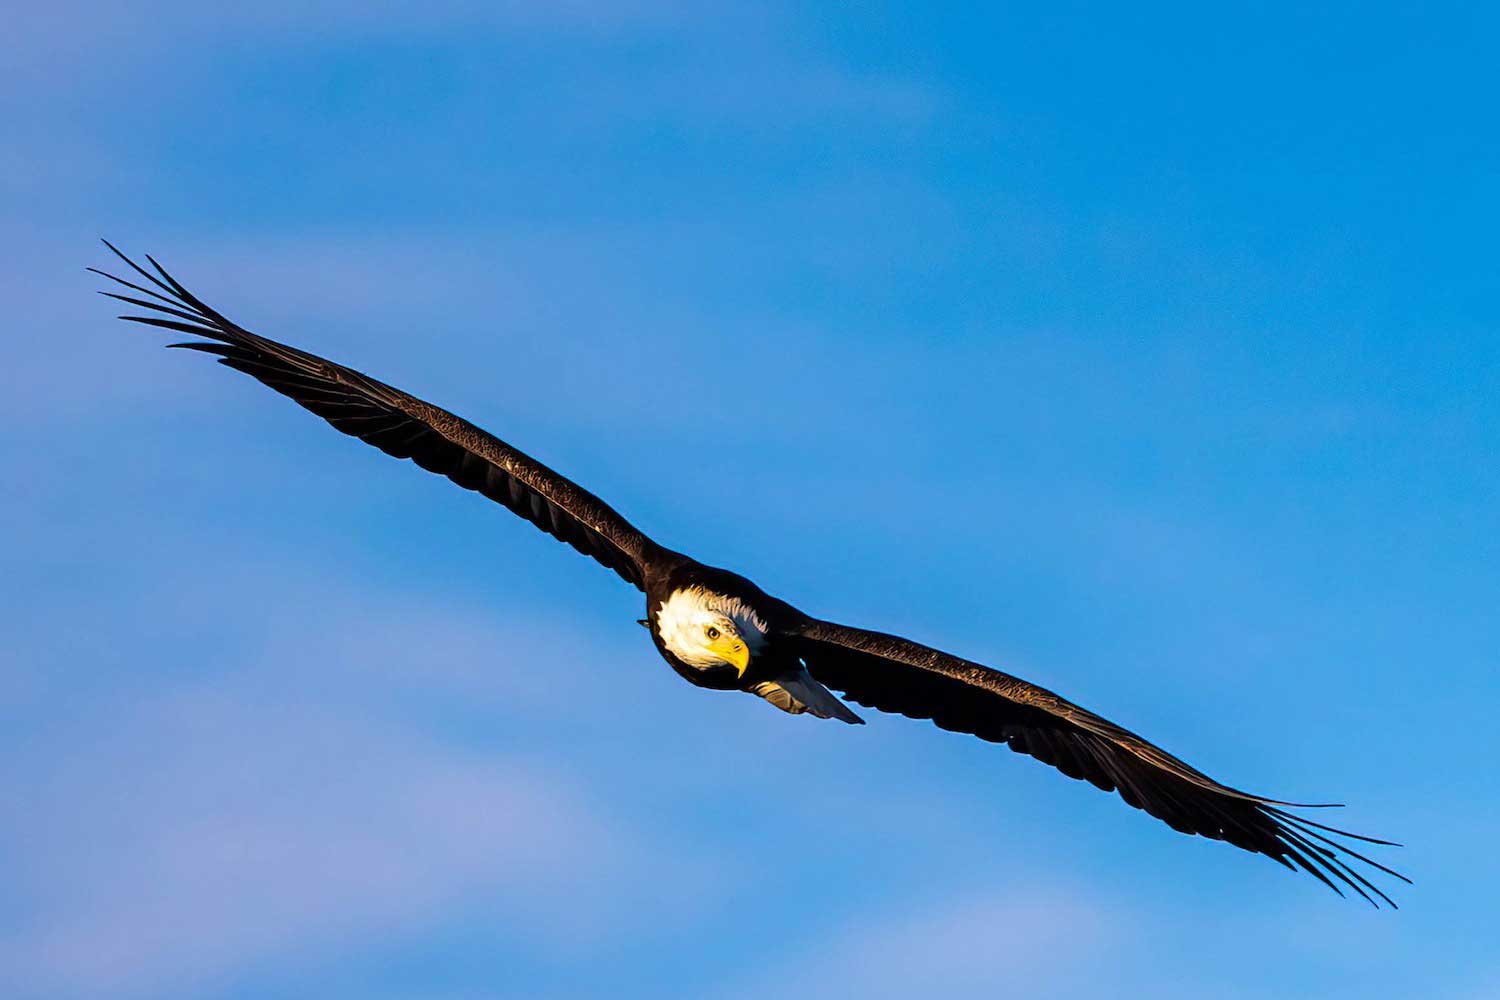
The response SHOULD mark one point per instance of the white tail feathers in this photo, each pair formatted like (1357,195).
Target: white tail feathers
(796,692)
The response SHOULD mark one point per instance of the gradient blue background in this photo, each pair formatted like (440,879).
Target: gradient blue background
(1149,354)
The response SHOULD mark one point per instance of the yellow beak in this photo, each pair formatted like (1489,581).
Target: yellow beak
(732,651)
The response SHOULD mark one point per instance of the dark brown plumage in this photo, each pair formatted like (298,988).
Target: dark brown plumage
(897,675)
(401,425)
(769,648)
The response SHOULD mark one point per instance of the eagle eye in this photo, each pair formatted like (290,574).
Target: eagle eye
(711,632)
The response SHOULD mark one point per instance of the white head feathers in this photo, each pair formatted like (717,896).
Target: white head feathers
(684,615)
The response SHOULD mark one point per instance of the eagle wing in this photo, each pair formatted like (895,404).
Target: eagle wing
(398,424)
(896,675)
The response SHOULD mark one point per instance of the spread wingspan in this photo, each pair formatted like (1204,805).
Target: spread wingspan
(398,424)
(896,675)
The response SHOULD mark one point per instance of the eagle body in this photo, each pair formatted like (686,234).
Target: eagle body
(686,587)
(688,597)
(720,631)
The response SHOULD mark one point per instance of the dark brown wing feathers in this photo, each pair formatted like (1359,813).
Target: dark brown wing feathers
(882,671)
(399,424)
(896,675)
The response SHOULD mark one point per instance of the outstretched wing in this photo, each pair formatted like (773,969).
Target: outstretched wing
(398,424)
(895,675)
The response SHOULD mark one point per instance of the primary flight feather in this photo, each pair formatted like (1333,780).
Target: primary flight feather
(718,630)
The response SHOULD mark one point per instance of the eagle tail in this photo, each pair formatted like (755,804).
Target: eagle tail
(796,692)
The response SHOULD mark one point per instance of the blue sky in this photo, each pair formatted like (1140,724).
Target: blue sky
(1148,354)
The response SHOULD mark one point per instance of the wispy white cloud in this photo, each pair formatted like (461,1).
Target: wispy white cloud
(208,833)
(1028,940)
(298,793)
(73,29)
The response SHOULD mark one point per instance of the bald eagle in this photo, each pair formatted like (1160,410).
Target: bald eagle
(718,630)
